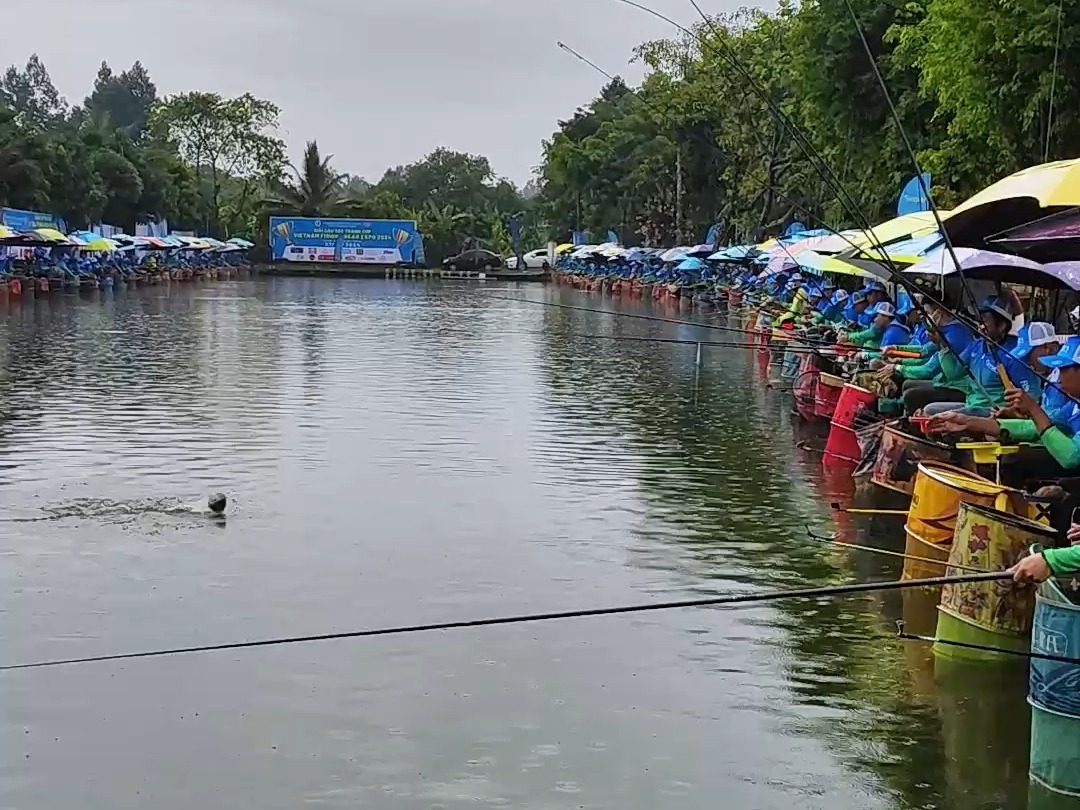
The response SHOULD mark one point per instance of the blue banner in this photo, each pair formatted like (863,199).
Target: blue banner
(347,241)
(710,237)
(912,197)
(613,237)
(19,220)
(580,237)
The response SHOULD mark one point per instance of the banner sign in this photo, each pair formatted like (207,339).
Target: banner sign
(19,220)
(346,241)
(912,198)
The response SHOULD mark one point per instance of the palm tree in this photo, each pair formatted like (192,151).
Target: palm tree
(313,190)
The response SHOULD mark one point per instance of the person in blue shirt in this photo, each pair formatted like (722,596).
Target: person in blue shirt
(977,366)
(874,291)
(896,332)
(856,307)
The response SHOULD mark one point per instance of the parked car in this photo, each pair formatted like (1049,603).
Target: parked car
(534,260)
(474,260)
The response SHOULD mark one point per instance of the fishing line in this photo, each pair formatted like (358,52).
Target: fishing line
(1053,82)
(728,599)
(640,316)
(1061,659)
(832,541)
(807,148)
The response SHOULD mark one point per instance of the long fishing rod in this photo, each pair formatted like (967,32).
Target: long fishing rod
(1061,659)
(717,343)
(712,601)
(639,316)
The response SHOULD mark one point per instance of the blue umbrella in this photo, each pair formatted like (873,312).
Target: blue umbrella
(691,264)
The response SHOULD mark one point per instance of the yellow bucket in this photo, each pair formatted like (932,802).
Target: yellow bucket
(993,614)
(936,496)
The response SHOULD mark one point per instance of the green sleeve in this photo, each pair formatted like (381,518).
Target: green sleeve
(1063,560)
(951,367)
(1065,449)
(921,371)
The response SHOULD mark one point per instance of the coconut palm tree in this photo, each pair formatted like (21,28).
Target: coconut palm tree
(313,191)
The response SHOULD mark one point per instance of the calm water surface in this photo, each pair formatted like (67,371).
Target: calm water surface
(401,453)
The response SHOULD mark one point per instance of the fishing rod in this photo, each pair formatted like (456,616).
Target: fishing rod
(711,601)
(832,541)
(1061,659)
(640,316)
(836,507)
(719,343)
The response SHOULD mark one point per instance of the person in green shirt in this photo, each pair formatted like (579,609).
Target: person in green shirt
(1050,562)
(1053,422)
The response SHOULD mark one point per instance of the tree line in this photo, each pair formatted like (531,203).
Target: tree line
(216,165)
(981,89)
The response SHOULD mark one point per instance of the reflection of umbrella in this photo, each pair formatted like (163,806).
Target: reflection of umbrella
(1015,200)
(691,264)
(1002,267)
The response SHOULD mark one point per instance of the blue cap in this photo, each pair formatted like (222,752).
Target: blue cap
(874,286)
(828,284)
(858,297)
(839,296)
(1031,336)
(1068,356)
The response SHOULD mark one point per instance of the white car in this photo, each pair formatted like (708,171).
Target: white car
(534,260)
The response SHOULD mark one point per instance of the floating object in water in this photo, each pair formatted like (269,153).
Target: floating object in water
(217,503)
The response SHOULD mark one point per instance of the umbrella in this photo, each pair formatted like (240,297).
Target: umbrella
(691,264)
(908,251)
(702,251)
(51,235)
(100,245)
(837,242)
(674,254)
(561,249)
(1002,267)
(734,253)
(1015,200)
(27,239)
(921,223)
(244,244)
(818,263)
(1046,239)
(83,238)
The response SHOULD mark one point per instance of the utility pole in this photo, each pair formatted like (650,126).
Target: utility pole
(678,195)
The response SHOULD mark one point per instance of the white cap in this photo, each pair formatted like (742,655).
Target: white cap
(885,308)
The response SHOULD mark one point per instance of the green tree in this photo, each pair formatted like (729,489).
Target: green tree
(231,143)
(31,95)
(314,190)
(125,100)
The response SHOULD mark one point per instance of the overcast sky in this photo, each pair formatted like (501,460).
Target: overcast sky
(376,82)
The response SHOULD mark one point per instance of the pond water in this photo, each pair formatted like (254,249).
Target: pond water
(398,452)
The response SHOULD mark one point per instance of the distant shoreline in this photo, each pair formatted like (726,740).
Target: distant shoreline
(343,270)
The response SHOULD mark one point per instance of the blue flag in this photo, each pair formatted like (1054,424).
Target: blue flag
(912,197)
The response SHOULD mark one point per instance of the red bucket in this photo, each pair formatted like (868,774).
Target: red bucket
(805,386)
(842,441)
(827,390)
